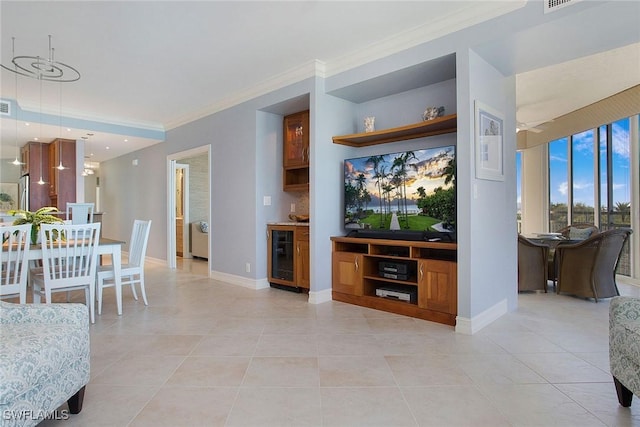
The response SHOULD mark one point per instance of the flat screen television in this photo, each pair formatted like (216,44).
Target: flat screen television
(408,195)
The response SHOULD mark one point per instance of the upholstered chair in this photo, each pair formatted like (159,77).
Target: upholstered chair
(624,347)
(45,360)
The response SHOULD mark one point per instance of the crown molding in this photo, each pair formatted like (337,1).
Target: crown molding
(475,13)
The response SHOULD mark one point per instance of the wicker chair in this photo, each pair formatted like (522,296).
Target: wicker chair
(588,268)
(532,265)
(575,231)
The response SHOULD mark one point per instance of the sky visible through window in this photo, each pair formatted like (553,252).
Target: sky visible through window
(583,167)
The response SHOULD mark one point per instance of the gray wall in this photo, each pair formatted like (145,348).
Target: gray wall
(246,145)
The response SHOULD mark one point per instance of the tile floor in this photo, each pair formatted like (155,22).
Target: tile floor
(205,353)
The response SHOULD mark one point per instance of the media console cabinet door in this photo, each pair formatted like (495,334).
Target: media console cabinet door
(437,285)
(347,273)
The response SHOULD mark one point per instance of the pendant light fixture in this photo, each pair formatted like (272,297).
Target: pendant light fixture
(60,166)
(16,162)
(42,69)
(41,181)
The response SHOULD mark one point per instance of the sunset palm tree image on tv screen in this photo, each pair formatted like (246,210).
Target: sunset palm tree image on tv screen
(410,190)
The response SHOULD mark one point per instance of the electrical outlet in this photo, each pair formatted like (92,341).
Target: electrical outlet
(266,200)
(247,267)
(293,207)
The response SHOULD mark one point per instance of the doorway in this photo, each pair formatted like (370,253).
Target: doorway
(188,206)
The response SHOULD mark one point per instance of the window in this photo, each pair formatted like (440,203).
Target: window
(583,178)
(589,169)
(558,183)
(619,186)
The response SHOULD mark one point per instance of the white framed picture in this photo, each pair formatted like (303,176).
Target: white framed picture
(489,134)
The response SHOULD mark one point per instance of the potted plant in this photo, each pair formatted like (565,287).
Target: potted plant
(41,216)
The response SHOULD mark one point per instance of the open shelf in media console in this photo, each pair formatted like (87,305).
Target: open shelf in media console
(437,126)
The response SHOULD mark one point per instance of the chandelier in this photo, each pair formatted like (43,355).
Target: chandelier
(40,68)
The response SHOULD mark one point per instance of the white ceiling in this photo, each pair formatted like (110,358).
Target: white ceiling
(149,66)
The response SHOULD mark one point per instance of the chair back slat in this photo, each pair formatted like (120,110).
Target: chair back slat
(69,253)
(80,213)
(14,261)
(139,240)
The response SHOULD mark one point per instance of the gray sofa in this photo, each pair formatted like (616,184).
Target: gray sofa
(624,347)
(44,361)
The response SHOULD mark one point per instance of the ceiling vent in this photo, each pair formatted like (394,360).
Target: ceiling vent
(553,5)
(5,108)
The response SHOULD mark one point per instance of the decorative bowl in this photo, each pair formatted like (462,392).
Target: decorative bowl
(432,112)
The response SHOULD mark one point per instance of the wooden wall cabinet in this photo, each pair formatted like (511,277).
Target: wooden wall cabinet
(431,275)
(288,256)
(295,160)
(62,183)
(35,159)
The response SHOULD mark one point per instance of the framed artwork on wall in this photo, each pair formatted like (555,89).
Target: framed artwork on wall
(489,135)
(8,196)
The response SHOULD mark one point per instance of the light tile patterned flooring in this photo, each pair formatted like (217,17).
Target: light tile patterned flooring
(205,353)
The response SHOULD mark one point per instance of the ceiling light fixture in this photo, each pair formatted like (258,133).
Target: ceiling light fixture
(39,68)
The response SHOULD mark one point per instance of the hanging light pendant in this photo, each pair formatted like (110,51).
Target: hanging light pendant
(41,69)
(60,165)
(16,162)
(41,181)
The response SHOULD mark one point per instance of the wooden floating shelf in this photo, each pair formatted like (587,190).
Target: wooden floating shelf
(439,126)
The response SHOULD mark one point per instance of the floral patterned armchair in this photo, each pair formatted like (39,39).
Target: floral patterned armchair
(44,361)
(624,347)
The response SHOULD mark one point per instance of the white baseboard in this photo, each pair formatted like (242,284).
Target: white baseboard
(318,297)
(468,326)
(157,261)
(626,280)
(232,279)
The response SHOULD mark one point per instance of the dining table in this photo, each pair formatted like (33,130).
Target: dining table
(105,247)
(552,241)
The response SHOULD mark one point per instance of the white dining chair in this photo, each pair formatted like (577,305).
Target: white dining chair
(14,263)
(69,262)
(80,213)
(132,271)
